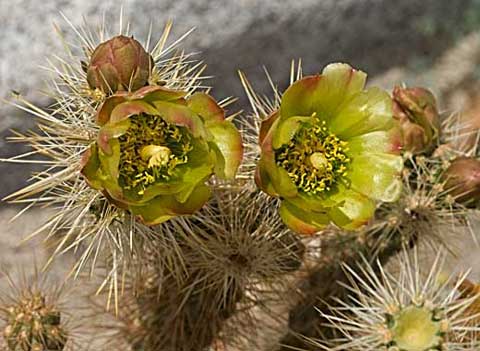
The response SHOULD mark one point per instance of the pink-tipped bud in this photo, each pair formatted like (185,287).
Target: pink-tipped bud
(120,63)
(462,180)
(416,110)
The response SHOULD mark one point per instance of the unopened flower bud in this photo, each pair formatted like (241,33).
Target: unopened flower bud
(462,180)
(416,110)
(120,63)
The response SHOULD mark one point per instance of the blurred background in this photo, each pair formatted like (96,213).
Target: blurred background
(435,43)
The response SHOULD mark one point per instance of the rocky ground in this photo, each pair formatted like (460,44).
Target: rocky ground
(428,42)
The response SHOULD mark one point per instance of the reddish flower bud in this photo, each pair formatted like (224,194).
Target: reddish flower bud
(416,110)
(120,63)
(463,180)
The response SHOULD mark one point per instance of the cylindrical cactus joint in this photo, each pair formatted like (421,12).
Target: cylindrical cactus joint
(415,329)
(120,63)
(33,325)
(416,110)
(462,180)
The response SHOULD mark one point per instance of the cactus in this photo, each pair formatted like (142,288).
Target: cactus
(34,315)
(414,310)
(276,230)
(32,325)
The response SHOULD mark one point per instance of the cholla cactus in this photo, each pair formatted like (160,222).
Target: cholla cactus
(34,315)
(414,310)
(424,212)
(32,325)
(178,317)
(204,246)
(236,256)
(114,158)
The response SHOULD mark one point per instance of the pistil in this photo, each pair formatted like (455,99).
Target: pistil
(156,155)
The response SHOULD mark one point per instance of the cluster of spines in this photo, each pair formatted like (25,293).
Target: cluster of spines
(232,265)
(36,313)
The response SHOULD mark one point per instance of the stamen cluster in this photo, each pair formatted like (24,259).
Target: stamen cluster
(173,142)
(315,158)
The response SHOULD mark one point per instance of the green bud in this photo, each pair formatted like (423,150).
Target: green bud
(462,180)
(416,110)
(120,63)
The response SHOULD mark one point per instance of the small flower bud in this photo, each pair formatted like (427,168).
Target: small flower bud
(416,110)
(463,180)
(120,63)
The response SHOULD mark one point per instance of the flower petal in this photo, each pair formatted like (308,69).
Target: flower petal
(353,211)
(206,106)
(286,129)
(154,190)
(163,208)
(109,162)
(313,203)
(182,116)
(376,142)
(104,112)
(263,181)
(302,222)
(279,177)
(377,176)
(344,82)
(108,172)
(280,180)
(111,131)
(322,94)
(191,179)
(266,125)
(130,108)
(155,92)
(200,155)
(91,167)
(229,148)
(368,111)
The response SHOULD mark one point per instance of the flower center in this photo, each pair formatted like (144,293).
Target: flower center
(416,329)
(150,151)
(315,159)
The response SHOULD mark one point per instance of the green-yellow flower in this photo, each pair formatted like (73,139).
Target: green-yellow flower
(330,151)
(156,149)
